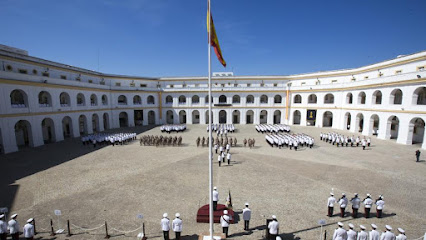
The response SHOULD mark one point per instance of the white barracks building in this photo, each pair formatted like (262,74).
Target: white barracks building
(43,101)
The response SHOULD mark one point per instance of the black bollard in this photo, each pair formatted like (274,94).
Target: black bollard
(106,231)
(35,230)
(52,232)
(68,229)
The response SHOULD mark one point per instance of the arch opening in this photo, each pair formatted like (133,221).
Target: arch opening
(327,120)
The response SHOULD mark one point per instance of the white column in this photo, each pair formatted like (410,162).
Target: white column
(8,136)
(243,116)
(405,131)
(59,132)
(37,133)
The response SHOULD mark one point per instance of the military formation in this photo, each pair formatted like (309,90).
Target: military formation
(356,202)
(345,141)
(342,234)
(289,140)
(151,140)
(108,138)
(173,128)
(272,128)
(222,129)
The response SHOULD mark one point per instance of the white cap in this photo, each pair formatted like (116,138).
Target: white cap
(274,217)
(332,194)
(177,215)
(30,220)
(351,225)
(14,215)
(215,188)
(225,211)
(278,238)
(2,216)
(247,204)
(356,194)
(368,195)
(340,224)
(388,227)
(401,230)
(362,227)
(373,225)
(343,194)
(165,215)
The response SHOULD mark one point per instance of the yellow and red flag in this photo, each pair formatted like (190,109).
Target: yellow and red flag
(214,40)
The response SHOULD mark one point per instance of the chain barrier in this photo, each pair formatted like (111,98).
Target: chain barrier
(126,232)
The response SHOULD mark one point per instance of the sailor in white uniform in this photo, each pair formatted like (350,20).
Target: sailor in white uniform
(401,235)
(165,226)
(177,226)
(362,235)
(246,217)
(374,234)
(340,232)
(224,222)
(351,233)
(29,229)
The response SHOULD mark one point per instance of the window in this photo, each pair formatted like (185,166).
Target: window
(144,85)
(366,77)
(398,72)
(223,85)
(248,85)
(333,81)
(34,71)
(117,84)
(90,81)
(262,84)
(9,68)
(102,83)
(63,77)
(303,83)
(132,84)
(183,85)
(235,84)
(197,85)
(421,68)
(45,74)
(171,86)
(23,71)
(275,84)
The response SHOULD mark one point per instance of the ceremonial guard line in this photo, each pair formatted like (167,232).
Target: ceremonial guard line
(272,128)
(342,140)
(108,138)
(173,128)
(151,140)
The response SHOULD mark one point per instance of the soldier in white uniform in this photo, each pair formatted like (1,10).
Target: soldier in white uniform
(368,202)
(219,159)
(374,234)
(224,222)
(340,233)
(362,235)
(330,204)
(165,226)
(388,235)
(177,226)
(228,157)
(355,205)
(401,235)
(273,227)
(351,233)
(215,198)
(3,228)
(29,230)
(13,226)
(380,204)
(343,202)
(246,217)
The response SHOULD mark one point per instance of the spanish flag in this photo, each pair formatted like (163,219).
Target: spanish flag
(214,40)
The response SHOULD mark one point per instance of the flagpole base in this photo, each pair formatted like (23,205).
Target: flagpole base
(216,236)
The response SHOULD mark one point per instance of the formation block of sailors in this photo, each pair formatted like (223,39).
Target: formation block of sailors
(173,128)
(290,140)
(342,140)
(272,128)
(108,138)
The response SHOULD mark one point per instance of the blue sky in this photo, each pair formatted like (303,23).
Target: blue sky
(159,38)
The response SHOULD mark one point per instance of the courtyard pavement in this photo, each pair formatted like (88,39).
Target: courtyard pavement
(115,184)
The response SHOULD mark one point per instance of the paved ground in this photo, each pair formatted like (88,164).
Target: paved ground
(118,183)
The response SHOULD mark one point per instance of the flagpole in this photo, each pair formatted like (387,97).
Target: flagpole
(210,129)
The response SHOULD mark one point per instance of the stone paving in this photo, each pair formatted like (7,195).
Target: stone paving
(115,184)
